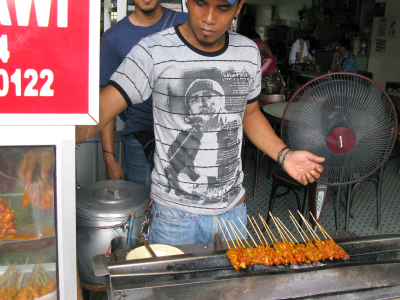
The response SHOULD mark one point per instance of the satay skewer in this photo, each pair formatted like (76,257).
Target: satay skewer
(320,227)
(286,230)
(254,220)
(296,224)
(22,275)
(283,233)
(248,232)
(269,231)
(11,276)
(277,227)
(235,234)
(223,233)
(233,242)
(313,233)
(251,222)
(241,234)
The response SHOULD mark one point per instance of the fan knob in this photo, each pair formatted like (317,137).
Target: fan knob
(341,140)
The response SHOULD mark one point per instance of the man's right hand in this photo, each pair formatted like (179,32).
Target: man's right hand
(42,157)
(336,56)
(114,170)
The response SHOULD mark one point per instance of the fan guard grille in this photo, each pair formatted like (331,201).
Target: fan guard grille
(346,118)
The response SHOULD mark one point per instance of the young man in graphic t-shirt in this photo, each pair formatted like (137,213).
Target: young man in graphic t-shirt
(205,82)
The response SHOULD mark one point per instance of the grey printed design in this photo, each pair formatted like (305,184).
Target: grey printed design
(204,157)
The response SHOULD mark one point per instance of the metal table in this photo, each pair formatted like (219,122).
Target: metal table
(274,112)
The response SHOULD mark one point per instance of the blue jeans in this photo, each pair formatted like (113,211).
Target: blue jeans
(174,227)
(134,163)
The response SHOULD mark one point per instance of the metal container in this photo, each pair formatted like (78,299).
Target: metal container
(119,243)
(102,213)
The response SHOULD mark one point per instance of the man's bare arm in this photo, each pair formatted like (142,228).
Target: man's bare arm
(113,168)
(111,104)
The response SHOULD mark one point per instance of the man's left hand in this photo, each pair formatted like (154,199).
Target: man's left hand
(303,166)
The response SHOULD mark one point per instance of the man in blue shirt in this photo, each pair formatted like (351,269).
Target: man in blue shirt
(149,17)
(343,60)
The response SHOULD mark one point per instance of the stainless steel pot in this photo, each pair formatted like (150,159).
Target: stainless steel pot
(102,212)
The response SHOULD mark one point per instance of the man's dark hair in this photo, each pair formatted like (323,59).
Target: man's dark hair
(313,41)
(273,29)
(345,42)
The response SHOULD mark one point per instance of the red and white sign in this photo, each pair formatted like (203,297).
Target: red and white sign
(49,62)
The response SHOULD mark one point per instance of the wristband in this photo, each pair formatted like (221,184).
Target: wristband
(109,153)
(279,155)
(284,158)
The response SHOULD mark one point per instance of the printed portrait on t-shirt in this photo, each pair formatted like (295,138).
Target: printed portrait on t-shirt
(204,157)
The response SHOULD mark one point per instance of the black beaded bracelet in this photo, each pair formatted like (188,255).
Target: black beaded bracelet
(284,158)
(109,153)
(279,155)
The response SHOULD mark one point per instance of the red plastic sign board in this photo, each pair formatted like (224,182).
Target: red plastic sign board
(49,62)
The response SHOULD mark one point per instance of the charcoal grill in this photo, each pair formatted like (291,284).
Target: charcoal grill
(373,272)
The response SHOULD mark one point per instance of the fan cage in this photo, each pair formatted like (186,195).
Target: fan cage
(342,100)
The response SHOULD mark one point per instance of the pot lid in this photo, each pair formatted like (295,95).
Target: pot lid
(112,199)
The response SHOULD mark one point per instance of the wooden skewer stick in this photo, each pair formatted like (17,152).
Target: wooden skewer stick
(11,276)
(288,233)
(277,227)
(241,234)
(223,233)
(313,233)
(251,222)
(44,275)
(320,227)
(269,231)
(6,274)
(298,226)
(235,234)
(233,242)
(40,278)
(287,237)
(248,232)
(23,273)
(299,231)
(266,229)
(254,220)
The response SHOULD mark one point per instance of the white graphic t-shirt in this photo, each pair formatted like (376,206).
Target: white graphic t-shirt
(198,103)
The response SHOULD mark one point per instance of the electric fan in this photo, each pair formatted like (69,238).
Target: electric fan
(346,118)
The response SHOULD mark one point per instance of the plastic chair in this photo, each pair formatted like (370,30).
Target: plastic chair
(282,179)
(394,86)
(265,99)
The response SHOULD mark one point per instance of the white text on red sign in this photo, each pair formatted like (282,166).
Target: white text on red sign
(42,8)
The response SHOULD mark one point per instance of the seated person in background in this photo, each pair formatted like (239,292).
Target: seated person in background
(302,51)
(247,28)
(327,32)
(343,60)
(277,46)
